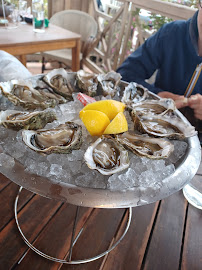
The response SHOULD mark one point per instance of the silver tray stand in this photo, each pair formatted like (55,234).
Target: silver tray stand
(73,239)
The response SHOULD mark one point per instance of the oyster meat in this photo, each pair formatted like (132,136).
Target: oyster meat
(26,120)
(62,139)
(167,126)
(155,107)
(108,83)
(141,145)
(87,82)
(61,82)
(107,156)
(22,93)
(134,93)
(50,94)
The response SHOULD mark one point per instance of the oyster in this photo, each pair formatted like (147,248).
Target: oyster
(27,120)
(41,86)
(62,139)
(87,82)
(108,83)
(171,127)
(155,107)
(61,82)
(154,148)
(134,93)
(22,93)
(107,156)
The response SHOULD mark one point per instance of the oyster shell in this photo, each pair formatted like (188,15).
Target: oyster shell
(153,148)
(22,93)
(107,156)
(61,82)
(41,86)
(155,107)
(171,127)
(51,94)
(27,120)
(134,93)
(62,139)
(108,83)
(87,82)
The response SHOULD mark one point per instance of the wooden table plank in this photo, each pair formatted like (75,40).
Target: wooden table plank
(32,218)
(96,237)
(4,181)
(192,251)
(165,246)
(55,239)
(7,199)
(128,255)
(153,241)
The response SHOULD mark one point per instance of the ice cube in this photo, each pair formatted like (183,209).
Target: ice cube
(6,161)
(91,179)
(55,170)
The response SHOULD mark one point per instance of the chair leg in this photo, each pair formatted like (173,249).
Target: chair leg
(43,65)
(81,64)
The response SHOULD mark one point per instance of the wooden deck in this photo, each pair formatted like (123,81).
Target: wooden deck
(163,235)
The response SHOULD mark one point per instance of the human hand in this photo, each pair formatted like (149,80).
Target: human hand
(180,101)
(195,102)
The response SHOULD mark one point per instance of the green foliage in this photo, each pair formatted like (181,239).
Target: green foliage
(158,21)
(46,8)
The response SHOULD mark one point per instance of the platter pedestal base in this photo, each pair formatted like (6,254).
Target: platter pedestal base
(73,239)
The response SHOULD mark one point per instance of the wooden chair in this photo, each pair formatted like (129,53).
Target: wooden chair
(76,21)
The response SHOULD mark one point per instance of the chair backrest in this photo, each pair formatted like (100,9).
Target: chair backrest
(76,21)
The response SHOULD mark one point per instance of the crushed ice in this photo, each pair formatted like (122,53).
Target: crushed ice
(70,168)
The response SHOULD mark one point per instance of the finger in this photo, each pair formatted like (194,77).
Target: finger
(194,106)
(195,99)
(180,103)
(198,115)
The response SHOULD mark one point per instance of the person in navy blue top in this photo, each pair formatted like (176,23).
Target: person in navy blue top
(174,51)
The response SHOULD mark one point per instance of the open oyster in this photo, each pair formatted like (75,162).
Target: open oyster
(87,82)
(154,148)
(171,127)
(60,81)
(108,83)
(134,93)
(27,120)
(22,93)
(62,139)
(107,156)
(155,107)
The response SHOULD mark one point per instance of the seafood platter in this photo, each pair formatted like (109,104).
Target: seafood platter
(48,148)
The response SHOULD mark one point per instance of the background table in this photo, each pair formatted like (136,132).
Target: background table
(162,235)
(23,40)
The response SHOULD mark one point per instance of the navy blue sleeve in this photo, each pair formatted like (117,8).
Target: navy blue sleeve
(143,62)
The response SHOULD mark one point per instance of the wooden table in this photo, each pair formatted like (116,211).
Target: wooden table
(163,235)
(23,40)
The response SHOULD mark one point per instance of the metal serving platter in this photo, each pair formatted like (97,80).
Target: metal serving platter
(186,168)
